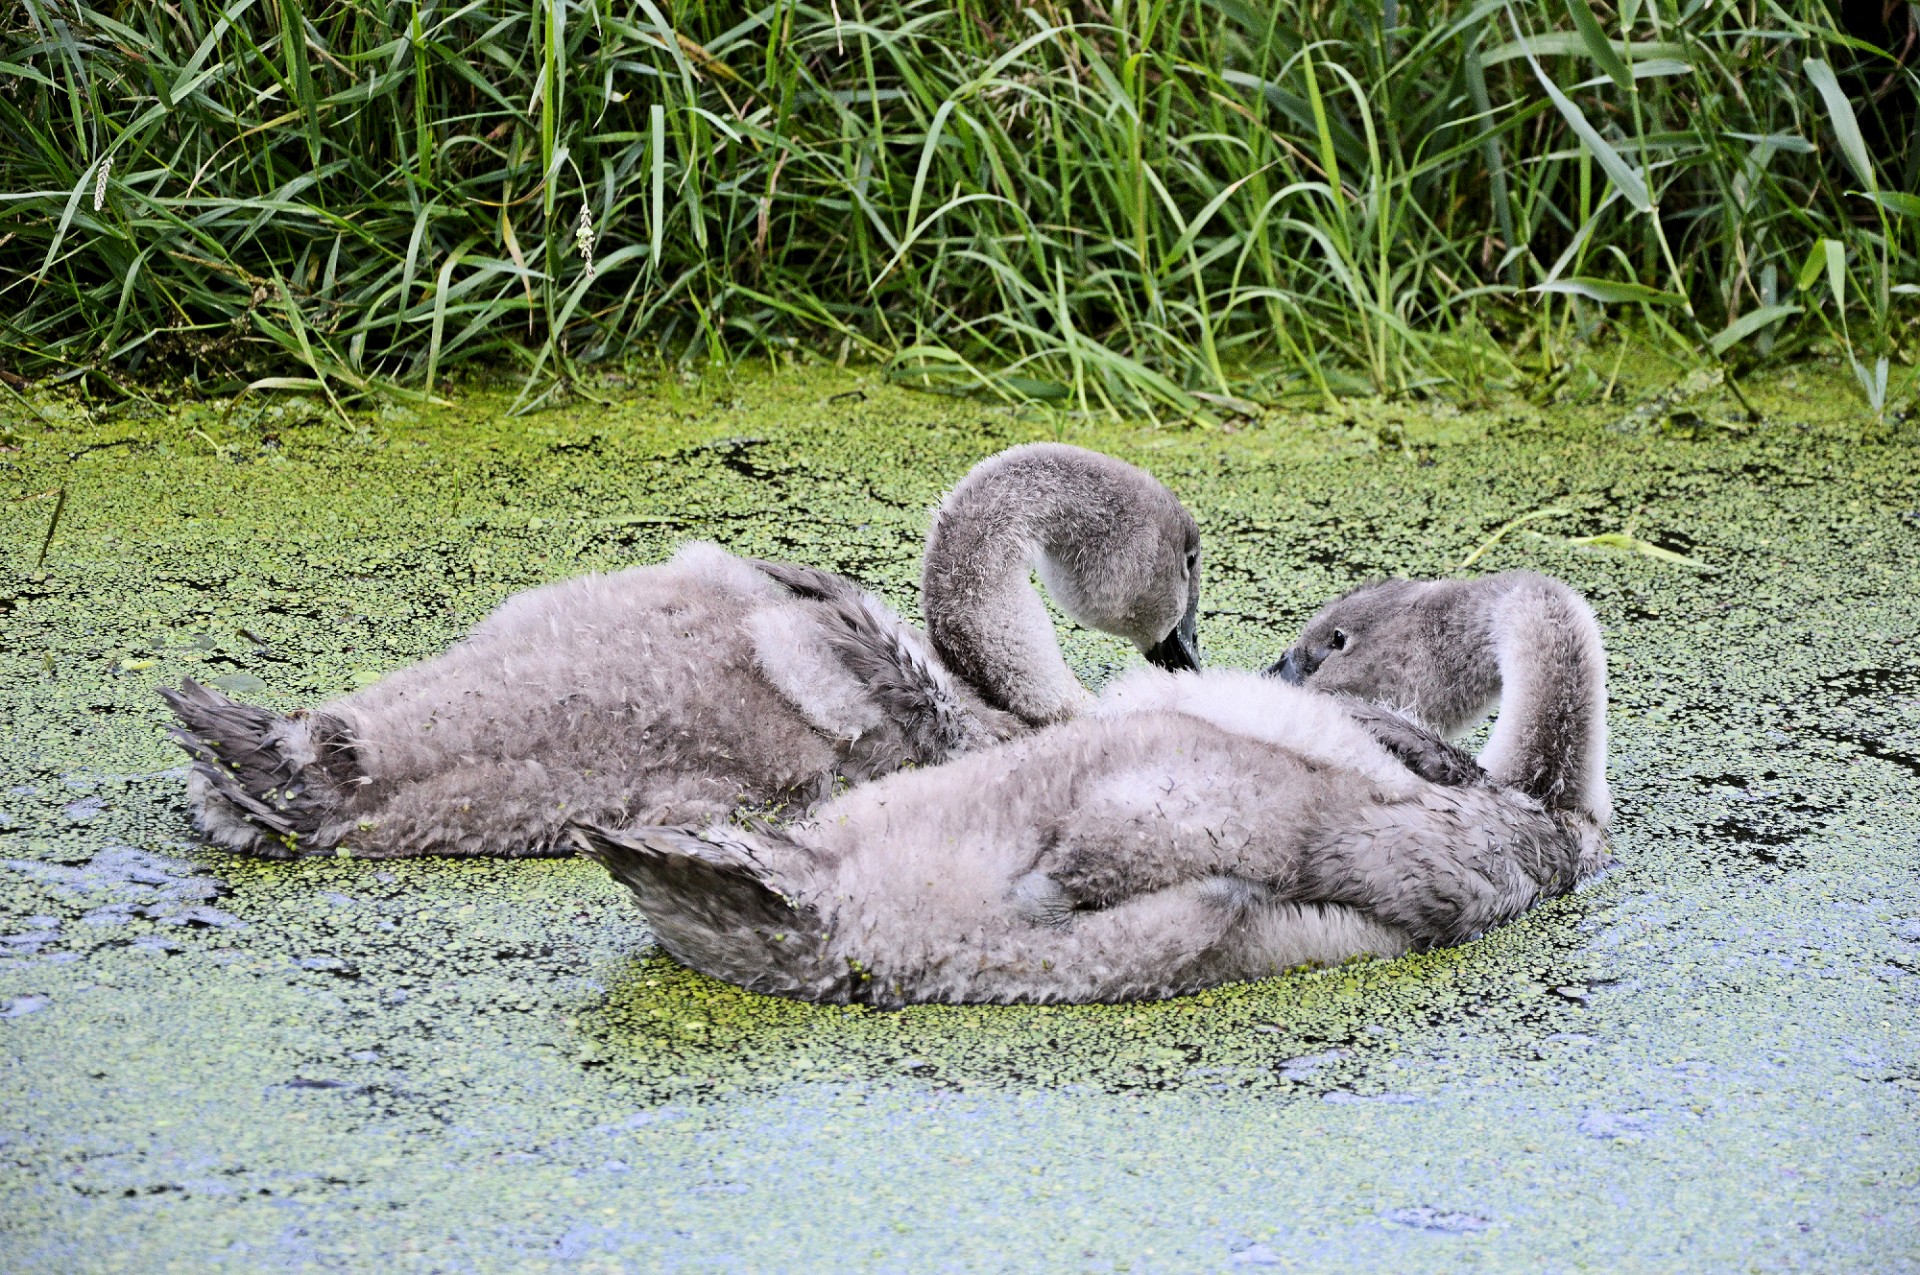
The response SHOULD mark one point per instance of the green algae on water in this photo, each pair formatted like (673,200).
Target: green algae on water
(1708,1060)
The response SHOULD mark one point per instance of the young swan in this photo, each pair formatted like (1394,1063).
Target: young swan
(1445,652)
(1193,830)
(674,693)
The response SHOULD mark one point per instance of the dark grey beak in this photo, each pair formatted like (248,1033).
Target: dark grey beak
(1291,668)
(1180,649)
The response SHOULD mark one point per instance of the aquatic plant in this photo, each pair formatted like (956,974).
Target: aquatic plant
(1160,204)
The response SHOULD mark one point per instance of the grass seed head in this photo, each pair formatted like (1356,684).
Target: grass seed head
(583,238)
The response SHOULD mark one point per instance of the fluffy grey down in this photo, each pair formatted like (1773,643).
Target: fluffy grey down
(681,691)
(1192,830)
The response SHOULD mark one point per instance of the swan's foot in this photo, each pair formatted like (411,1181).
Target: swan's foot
(1039,900)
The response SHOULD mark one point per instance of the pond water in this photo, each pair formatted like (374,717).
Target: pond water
(1708,1060)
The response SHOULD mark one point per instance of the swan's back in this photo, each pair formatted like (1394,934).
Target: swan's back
(674,692)
(938,867)
(922,880)
(630,695)
(1199,851)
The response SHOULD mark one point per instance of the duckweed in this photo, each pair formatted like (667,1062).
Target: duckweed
(1708,1060)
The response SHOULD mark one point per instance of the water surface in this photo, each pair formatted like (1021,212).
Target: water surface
(1710,1060)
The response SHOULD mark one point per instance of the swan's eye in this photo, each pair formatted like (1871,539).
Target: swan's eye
(1338,642)
(1193,561)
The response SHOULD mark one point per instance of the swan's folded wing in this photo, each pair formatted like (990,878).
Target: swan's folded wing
(1421,750)
(1191,803)
(850,665)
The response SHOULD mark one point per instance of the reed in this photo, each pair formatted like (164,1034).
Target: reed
(1163,205)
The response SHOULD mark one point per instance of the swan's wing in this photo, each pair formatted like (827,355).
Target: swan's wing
(1422,751)
(805,582)
(720,900)
(1170,799)
(719,876)
(903,683)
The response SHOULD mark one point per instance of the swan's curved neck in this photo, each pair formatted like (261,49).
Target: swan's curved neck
(1550,738)
(982,612)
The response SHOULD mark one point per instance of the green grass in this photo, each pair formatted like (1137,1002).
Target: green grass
(1168,205)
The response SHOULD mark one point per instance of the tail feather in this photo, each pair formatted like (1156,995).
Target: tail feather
(715,902)
(283,777)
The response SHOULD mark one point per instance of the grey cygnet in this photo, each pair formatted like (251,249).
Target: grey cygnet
(1423,649)
(1193,830)
(677,692)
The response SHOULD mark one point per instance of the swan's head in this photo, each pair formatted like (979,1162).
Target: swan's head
(1114,548)
(1126,561)
(1418,645)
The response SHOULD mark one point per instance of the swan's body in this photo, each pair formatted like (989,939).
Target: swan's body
(1193,830)
(681,691)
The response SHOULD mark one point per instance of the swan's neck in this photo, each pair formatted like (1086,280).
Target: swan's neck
(1550,738)
(982,612)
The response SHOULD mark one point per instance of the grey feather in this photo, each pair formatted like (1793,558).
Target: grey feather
(911,690)
(1416,746)
(679,692)
(1197,829)
(719,901)
(279,775)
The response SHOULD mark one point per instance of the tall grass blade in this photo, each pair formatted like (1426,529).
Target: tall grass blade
(1749,323)
(1599,48)
(1840,115)
(1626,179)
(1835,255)
(1609,291)
(293,43)
(657,152)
